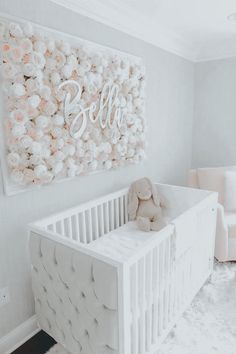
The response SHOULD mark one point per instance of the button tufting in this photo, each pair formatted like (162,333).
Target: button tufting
(83,294)
(44,289)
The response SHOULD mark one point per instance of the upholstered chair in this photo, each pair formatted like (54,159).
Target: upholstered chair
(223,181)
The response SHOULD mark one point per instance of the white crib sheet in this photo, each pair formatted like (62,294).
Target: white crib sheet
(121,243)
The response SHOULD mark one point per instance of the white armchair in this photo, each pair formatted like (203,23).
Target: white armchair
(223,181)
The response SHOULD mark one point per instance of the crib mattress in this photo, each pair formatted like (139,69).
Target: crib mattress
(122,242)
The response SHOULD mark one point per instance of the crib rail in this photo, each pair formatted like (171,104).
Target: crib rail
(90,221)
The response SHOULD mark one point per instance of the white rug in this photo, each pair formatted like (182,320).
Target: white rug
(209,325)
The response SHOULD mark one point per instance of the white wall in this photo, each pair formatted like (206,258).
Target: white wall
(169,116)
(214,131)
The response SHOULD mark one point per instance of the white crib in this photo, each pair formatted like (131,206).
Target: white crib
(103,286)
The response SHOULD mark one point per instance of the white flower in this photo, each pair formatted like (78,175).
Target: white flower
(71,172)
(65,48)
(26,141)
(93,165)
(58,167)
(32,85)
(69,150)
(39,60)
(18,130)
(108,164)
(72,61)
(67,71)
(58,120)
(18,90)
(45,92)
(55,78)
(26,45)
(13,159)
(80,152)
(60,143)
(56,132)
(9,70)
(29,69)
(15,30)
(17,176)
(46,153)
(29,175)
(40,171)
(35,160)
(36,148)
(50,45)
(50,108)
(47,177)
(40,47)
(41,122)
(59,156)
(50,64)
(34,101)
(28,29)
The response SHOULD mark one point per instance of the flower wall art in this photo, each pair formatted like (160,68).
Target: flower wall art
(69,107)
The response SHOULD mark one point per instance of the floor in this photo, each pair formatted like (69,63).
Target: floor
(39,344)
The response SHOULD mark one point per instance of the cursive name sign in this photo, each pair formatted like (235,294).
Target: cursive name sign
(105,110)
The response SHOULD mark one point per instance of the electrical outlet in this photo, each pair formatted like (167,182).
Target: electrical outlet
(4,296)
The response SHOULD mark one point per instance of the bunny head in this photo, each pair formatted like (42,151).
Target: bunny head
(142,189)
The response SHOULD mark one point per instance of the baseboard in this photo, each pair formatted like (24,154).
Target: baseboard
(19,335)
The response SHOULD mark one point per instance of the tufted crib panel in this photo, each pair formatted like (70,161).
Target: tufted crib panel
(72,304)
(94,300)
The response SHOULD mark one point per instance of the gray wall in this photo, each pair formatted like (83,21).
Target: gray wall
(214,131)
(169,115)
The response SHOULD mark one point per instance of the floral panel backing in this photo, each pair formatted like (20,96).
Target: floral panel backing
(70,107)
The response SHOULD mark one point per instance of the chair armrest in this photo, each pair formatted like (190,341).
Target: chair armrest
(221,242)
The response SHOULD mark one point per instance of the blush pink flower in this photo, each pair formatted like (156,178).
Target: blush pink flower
(18,116)
(17,54)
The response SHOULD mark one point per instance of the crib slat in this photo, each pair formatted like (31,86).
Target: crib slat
(107,217)
(126,208)
(62,225)
(96,230)
(69,227)
(101,220)
(117,221)
(76,227)
(155,294)
(166,308)
(112,215)
(149,299)
(121,211)
(83,227)
(142,331)
(161,293)
(135,292)
(90,229)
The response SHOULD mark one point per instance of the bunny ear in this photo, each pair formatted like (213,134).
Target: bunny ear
(155,196)
(132,202)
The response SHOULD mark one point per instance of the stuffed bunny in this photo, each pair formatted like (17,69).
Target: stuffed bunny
(144,205)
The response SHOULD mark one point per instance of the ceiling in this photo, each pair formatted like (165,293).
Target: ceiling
(195,29)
